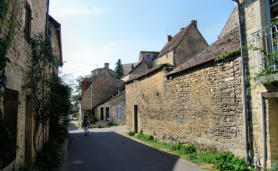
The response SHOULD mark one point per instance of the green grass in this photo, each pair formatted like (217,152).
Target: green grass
(221,161)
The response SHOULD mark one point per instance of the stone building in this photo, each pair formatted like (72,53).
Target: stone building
(112,110)
(100,87)
(180,48)
(145,63)
(18,108)
(199,102)
(260,31)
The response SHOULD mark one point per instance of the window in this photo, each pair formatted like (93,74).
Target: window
(107,114)
(28,23)
(119,113)
(148,56)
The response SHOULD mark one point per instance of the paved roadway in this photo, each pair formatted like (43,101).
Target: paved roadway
(107,150)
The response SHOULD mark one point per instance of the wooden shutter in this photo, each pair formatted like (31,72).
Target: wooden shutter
(28,22)
(10,115)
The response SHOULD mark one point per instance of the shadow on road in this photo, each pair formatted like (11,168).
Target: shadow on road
(72,126)
(109,151)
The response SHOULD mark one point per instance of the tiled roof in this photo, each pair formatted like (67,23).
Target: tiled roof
(174,42)
(156,68)
(110,99)
(220,47)
(128,67)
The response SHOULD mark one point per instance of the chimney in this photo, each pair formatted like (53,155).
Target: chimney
(169,38)
(194,22)
(106,65)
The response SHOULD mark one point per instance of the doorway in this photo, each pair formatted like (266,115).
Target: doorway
(273,127)
(101,114)
(135,118)
(10,115)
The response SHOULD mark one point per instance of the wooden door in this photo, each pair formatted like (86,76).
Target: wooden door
(135,118)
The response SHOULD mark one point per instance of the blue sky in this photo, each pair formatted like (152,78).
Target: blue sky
(99,31)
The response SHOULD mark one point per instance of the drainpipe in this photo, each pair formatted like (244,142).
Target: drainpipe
(264,130)
(243,83)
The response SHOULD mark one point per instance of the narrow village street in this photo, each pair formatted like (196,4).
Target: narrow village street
(107,149)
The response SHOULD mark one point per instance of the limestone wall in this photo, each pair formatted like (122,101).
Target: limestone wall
(206,107)
(202,106)
(113,105)
(149,95)
(19,54)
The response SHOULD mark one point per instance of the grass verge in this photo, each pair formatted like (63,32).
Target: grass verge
(220,161)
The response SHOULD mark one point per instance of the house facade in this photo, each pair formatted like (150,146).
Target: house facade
(112,110)
(180,48)
(100,87)
(145,63)
(258,20)
(31,18)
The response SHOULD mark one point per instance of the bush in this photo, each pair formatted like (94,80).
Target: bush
(131,133)
(275,166)
(93,120)
(187,149)
(50,157)
(227,161)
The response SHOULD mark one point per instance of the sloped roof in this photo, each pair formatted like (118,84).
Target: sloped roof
(174,42)
(220,47)
(150,71)
(128,67)
(110,99)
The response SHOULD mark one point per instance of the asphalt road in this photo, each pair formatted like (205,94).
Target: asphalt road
(107,150)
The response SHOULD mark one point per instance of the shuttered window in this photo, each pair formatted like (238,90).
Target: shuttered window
(10,115)
(119,113)
(28,22)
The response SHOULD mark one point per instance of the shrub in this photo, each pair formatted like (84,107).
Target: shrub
(93,120)
(275,166)
(227,161)
(187,149)
(131,133)
(50,157)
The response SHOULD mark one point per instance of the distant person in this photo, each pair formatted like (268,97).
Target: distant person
(86,123)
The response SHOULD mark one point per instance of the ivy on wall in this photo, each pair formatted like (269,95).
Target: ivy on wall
(7,31)
(43,64)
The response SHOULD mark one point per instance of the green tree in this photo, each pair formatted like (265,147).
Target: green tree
(119,71)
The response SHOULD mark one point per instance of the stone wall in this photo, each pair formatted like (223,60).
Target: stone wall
(202,106)
(113,104)
(191,44)
(149,95)
(231,24)
(19,54)
(253,20)
(206,107)
(104,86)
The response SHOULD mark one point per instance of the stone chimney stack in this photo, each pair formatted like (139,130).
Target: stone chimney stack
(169,37)
(195,23)
(106,65)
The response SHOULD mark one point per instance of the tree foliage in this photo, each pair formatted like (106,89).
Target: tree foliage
(119,71)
